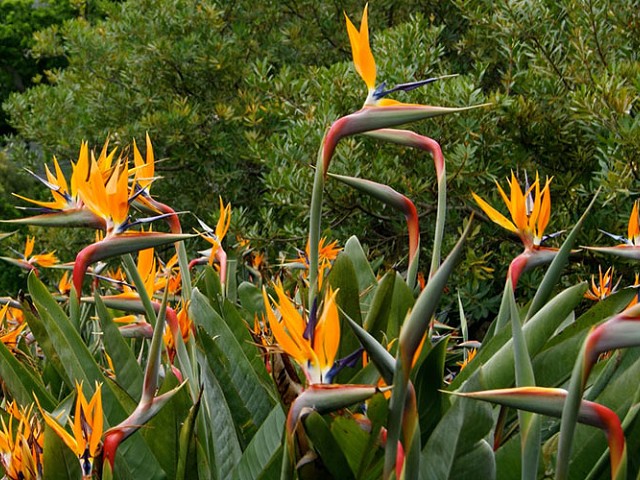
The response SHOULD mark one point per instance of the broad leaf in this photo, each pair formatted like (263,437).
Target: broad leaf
(127,370)
(217,414)
(243,387)
(343,279)
(364,274)
(332,455)
(59,462)
(428,380)
(377,319)
(457,447)
(21,381)
(263,448)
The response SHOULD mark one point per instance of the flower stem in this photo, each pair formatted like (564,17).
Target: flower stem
(315,220)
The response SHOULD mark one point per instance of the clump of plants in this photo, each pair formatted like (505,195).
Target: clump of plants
(147,360)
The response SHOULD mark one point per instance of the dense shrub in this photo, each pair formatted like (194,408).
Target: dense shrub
(237,97)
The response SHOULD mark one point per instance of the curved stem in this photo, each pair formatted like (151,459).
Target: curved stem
(315,220)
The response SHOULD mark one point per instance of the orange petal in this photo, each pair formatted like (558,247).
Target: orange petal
(284,340)
(518,205)
(28,246)
(545,209)
(97,420)
(535,211)
(633,229)
(327,334)
(494,215)
(361,50)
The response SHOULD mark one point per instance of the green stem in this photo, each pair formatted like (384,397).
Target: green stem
(151,373)
(133,274)
(529,422)
(412,270)
(396,410)
(315,220)
(440,221)
(183,263)
(570,415)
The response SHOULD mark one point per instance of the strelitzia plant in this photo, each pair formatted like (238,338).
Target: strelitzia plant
(12,325)
(29,261)
(630,246)
(327,253)
(242,392)
(551,401)
(605,287)
(21,445)
(530,210)
(87,427)
(66,208)
(215,238)
(110,200)
(378,114)
(312,343)
(143,178)
(620,331)
(399,202)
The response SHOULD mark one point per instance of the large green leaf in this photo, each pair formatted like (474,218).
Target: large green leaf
(128,372)
(332,454)
(212,287)
(496,358)
(509,459)
(232,280)
(58,461)
(242,386)
(402,300)
(263,448)
(552,275)
(223,439)
(238,326)
(21,381)
(273,468)
(39,331)
(364,274)
(64,341)
(236,341)
(457,447)
(239,386)
(343,279)
(377,319)
(498,371)
(372,462)
(79,365)
(168,421)
(553,365)
(590,443)
(352,439)
(428,380)
(250,298)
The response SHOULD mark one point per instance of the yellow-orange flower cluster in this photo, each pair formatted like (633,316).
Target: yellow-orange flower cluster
(21,446)
(312,343)
(87,426)
(605,286)
(530,210)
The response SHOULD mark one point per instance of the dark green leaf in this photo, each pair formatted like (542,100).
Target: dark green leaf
(263,448)
(331,453)
(127,370)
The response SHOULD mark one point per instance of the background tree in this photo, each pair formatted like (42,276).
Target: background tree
(235,96)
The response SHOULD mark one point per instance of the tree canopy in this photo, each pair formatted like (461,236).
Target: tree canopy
(236,96)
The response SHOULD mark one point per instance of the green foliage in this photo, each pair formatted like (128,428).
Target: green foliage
(233,92)
(21,19)
(228,396)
